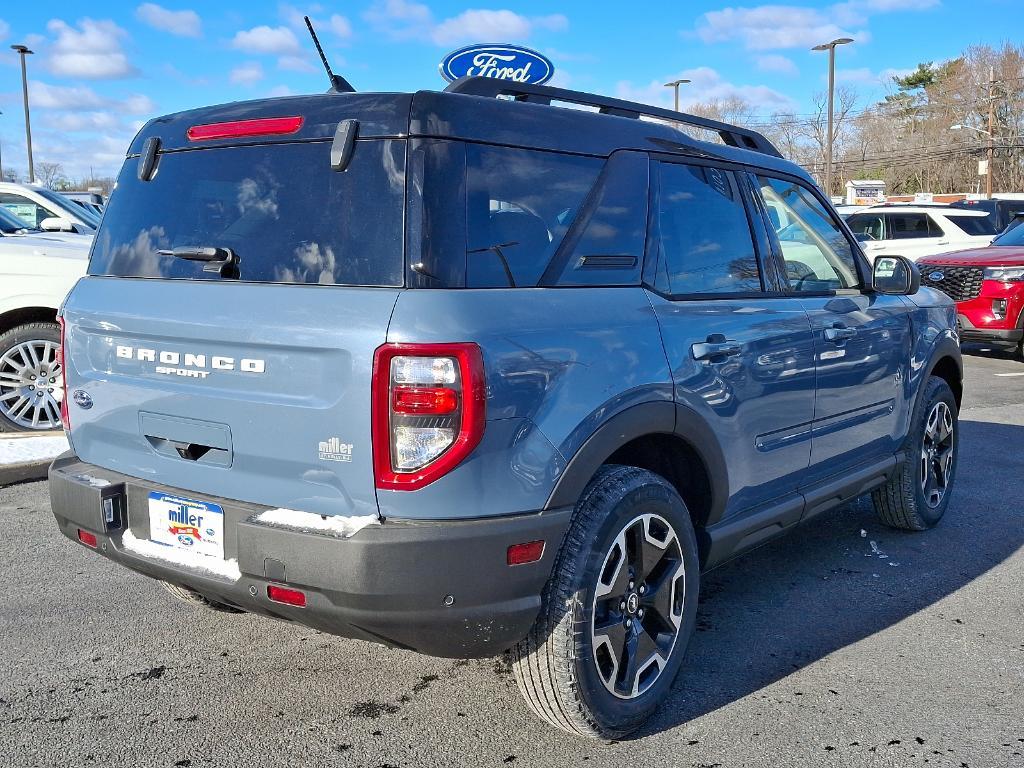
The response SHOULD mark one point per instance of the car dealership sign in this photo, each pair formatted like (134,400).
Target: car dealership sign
(497,60)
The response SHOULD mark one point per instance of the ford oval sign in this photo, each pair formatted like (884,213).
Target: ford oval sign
(497,60)
(936,277)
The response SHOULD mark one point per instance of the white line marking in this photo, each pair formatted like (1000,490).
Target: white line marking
(1009,374)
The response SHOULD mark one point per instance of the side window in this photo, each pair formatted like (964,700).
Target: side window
(867,226)
(909,226)
(817,255)
(26,210)
(704,244)
(976,226)
(519,205)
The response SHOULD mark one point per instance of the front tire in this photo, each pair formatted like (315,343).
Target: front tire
(916,497)
(618,610)
(31,384)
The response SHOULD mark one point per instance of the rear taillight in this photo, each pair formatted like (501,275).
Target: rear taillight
(286,596)
(262,126)
(428,411)
(64,417)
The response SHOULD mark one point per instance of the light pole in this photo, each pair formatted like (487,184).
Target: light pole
(831,48)
(989,151)
(674,84)
(23,51)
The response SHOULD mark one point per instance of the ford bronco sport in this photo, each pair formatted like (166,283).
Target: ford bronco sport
(464,371)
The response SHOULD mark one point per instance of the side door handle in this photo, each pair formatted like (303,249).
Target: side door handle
(840,333)
(716,345)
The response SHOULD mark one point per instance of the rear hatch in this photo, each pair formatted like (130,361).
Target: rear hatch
(248,377)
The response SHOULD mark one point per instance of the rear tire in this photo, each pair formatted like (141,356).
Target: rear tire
(916,497)
(194,598)
(31,383)
(597,663)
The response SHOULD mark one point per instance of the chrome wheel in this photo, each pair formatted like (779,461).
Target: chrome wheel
(638,606)
(937,454)
(31,387)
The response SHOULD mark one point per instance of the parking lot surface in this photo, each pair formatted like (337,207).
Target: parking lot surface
(844,644)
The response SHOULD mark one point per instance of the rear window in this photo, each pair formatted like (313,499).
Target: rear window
(280,208)
(974,225)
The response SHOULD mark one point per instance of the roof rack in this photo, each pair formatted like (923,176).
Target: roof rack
(732,135)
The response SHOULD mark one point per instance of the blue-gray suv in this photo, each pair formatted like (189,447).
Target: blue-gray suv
(464,371)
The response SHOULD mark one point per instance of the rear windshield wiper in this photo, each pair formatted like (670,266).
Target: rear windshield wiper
(223,261)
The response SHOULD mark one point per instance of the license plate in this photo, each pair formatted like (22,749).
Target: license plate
(187,524)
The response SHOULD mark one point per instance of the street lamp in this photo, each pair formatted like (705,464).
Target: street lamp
(23,51)
(674,84)
(831,48)
(989,151)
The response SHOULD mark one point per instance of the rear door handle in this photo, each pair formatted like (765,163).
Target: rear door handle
(716,345)
(840,333)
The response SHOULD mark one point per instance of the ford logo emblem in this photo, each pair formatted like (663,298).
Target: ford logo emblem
(935,276)
(497,60)
(82,399)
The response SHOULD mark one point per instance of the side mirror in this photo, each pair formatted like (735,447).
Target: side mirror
(895,276)
(54,224)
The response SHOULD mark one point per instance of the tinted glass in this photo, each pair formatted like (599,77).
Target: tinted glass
(909,226)
(28,211)
(11,224)
(867,226)
(287,216)
(704,236)
(519,205)
(1014,235)
(974,225)
(817,255)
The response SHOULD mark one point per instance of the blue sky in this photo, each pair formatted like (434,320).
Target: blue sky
(102,69)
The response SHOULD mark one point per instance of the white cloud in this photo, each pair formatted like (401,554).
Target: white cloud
(768,27)
(403,20)
(69,98)
(184,23)
(337,25)
(264,39)
(246,74)
(866,76)
(301,64)
(705,85)
(91,52)
(775,63)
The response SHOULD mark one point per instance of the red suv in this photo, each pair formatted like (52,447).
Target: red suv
(987,285)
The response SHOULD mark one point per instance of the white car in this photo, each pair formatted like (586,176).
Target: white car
(36,272)
(45,209)
(915,231)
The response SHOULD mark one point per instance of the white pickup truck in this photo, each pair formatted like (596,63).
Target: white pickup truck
(37,269)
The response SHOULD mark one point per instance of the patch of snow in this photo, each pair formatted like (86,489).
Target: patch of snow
(863,533)
(22,450)
(227,569)
(877,552)
(308,521)
(95,482)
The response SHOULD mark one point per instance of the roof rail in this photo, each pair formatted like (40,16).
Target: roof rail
(732,135)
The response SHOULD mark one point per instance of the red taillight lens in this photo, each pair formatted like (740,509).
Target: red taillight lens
(286,596)
(65,418)
(264,126)
(528,552)
(428,411)
(89,539)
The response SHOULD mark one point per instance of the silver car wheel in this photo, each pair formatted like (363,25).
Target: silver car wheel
(31,386)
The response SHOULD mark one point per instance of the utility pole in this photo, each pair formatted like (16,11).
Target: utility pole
(23,51)
(830,137)
(675,85)
(991,133)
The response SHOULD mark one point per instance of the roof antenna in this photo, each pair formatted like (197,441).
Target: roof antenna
(338,83)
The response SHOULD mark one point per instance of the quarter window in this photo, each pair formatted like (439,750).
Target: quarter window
(704,243)
(817,255)
(910,226)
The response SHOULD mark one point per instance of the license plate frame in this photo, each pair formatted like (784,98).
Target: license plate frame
(186,525)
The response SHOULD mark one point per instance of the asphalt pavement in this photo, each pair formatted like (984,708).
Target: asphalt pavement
(844,644)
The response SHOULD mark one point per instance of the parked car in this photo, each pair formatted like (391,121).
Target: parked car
(37,270)
(45,209)
(91,201)
(987,285)
(1001,211)
(915,231)
(452,393)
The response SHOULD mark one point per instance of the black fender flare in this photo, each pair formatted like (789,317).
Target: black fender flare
(665,418)
(946,346)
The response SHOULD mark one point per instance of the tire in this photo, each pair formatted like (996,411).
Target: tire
(916,497)
(28,357)
(194,598)
(566,668)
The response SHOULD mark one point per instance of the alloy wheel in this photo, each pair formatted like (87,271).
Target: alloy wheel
(31,387)
(937,454)
(638,606)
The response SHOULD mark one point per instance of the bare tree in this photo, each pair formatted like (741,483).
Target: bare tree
(50,174)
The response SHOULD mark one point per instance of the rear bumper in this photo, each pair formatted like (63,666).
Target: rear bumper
(388,583)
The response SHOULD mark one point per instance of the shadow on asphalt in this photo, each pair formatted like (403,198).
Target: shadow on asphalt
(992,353)
(796,600)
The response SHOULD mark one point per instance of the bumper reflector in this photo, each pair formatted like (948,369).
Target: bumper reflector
(89,539)
(528,552)
(286,596)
